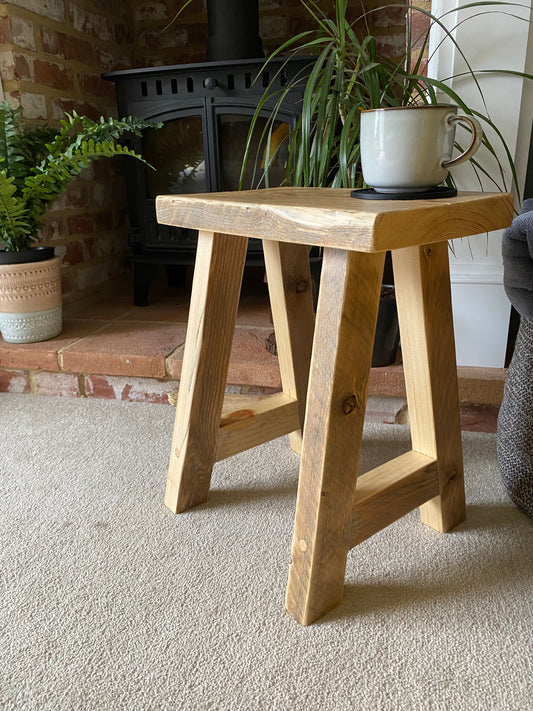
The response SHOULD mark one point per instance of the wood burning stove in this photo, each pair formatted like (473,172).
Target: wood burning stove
(206,110)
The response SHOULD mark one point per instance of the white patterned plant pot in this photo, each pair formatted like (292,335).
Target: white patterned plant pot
(32,327)
(30,301)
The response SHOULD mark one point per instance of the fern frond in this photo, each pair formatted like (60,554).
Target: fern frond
(36,167)
(15,228)
(13,153)
(51,177)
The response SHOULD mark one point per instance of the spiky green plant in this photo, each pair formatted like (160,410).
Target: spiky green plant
(36,166)
(347,75)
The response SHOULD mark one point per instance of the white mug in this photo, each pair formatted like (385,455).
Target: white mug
(409,148)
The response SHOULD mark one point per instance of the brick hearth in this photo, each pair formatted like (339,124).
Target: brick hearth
(112,349)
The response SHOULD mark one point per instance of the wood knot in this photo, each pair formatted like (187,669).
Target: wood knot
(237,416)
(302,286)
(349,404)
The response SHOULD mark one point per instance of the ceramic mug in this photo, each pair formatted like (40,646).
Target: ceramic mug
(409,149)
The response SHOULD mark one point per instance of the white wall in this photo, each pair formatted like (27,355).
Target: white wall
(494,38)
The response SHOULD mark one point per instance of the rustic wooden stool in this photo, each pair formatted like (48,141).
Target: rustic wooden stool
(332,513)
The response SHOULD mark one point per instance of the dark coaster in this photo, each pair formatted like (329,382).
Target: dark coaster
(431,194)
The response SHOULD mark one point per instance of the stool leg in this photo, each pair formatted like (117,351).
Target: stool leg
(214,301)
(423,294)
(291,300)
(344,337)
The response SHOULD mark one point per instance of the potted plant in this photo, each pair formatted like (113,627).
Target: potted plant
(347,76)
(35,168)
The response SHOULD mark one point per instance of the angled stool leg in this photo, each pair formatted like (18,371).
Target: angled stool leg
(291,301)
(422,281)
(344,338)
(214,301)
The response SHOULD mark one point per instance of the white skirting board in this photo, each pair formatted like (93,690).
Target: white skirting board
(481,312)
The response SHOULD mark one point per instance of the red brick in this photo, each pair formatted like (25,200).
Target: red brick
(99,386)
(44,355)
(52,74)
(52,229)
(176,36)
(110,59)
(74,253)
(423,67)
(125,349)
(5,32)
(150,390)
(52,9)
(391,46)
(23,67)
(151,10)
(80,224)
(15,95)
(93,84)
(58,384)
(77,195)
(14,381)
(250,362)
(62,45)
(22,33)
(62,106)
(90,23)
(420,24)
(390,17)
(53,43)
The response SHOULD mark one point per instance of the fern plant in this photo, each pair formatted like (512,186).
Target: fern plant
(37,166)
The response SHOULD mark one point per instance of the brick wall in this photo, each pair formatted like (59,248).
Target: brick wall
(185,41)
(52,53)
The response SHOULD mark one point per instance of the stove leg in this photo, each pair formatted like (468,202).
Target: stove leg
(143,276)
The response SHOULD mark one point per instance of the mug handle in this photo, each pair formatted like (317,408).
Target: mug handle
(477,135)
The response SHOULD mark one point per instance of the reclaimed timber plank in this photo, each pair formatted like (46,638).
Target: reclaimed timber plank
(428,349)
(342,353)
(390,491)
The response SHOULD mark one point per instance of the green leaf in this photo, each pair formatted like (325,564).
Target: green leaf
(36,166)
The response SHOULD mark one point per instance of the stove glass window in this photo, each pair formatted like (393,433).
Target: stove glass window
(234,134)
(177,152)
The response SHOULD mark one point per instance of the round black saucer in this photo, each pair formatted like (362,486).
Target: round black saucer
(433,193)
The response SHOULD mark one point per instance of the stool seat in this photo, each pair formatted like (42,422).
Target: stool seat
(328,217)
(325,361)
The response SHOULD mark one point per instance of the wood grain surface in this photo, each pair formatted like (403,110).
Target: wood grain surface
(214,301)
(330,217)
(291,302)
(342,354)
(426,330)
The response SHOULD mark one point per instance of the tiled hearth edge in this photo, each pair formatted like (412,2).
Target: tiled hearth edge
(476,386)
(145,372)
(96,385)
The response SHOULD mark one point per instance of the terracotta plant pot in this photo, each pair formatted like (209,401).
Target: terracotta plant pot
(30,296)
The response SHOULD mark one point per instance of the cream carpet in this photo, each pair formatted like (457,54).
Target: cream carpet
(109,601)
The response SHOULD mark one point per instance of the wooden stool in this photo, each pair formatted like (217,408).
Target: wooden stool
(332,514)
